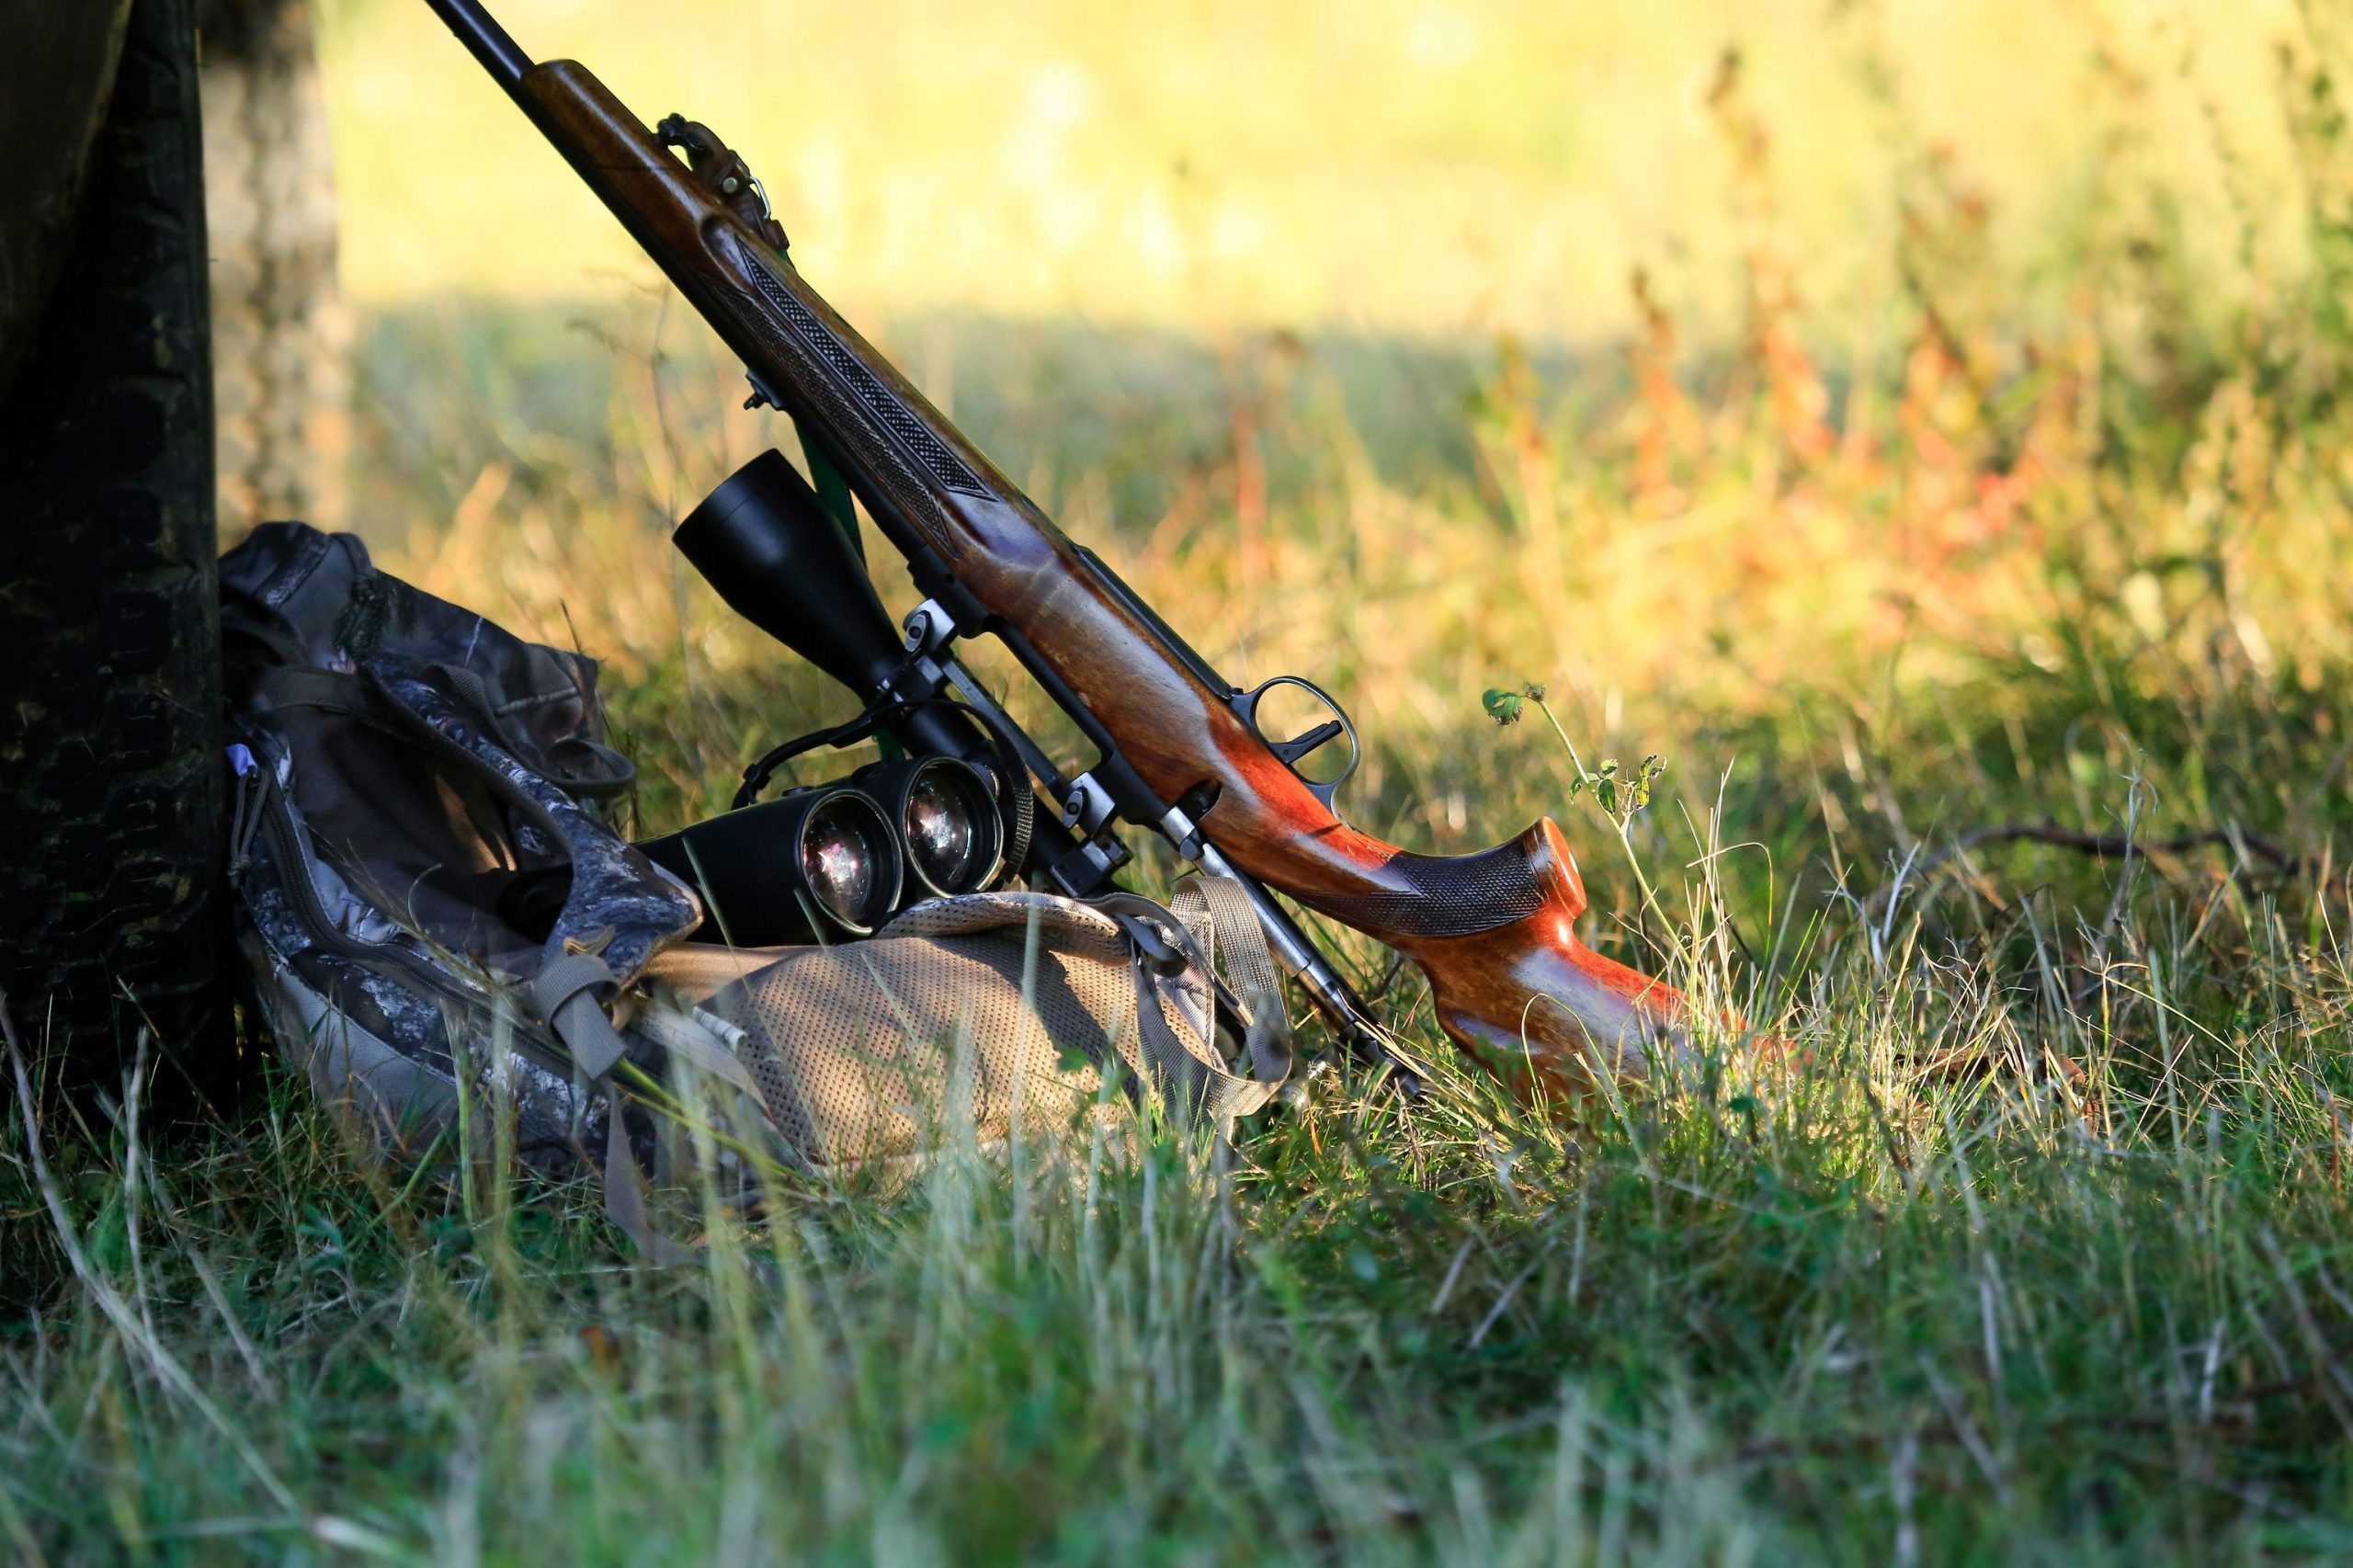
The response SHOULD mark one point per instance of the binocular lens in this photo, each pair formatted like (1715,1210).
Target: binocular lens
(840,860)
(948,820)
(811,866)
(942,834)
(833,859)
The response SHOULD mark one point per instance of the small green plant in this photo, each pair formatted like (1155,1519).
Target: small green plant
(1619,793)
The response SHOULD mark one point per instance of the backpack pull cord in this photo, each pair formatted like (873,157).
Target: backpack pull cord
(566,995)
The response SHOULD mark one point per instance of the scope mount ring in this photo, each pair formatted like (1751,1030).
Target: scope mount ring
(1289,753)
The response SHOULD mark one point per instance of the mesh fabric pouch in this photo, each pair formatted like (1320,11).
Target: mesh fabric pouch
(403,766)
(995,1013)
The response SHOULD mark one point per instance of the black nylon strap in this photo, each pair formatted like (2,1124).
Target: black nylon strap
(757,777)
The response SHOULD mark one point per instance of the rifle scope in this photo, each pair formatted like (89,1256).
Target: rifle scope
(766,541)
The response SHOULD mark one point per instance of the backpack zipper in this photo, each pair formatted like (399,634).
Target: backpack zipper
(244,816)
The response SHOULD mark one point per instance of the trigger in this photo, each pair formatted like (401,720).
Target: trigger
(1291,750)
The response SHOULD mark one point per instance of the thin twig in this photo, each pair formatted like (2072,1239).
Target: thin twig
(2105,845)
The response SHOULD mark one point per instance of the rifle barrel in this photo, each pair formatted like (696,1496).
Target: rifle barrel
(480,32)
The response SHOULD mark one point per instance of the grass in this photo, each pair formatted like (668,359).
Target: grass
(2032,1250)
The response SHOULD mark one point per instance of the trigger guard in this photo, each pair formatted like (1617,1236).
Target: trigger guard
(1246,708)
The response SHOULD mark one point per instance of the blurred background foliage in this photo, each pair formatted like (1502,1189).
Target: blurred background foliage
(1417,167)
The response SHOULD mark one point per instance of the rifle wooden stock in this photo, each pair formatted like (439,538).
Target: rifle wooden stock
(1493,931)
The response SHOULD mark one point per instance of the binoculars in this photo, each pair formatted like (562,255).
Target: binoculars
(828,861)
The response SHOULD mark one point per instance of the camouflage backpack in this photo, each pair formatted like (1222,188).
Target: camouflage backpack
(402,766)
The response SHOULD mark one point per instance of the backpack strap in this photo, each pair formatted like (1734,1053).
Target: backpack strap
(301,686)
(1218,924)
(566,994)
(569,993)
(1217,913)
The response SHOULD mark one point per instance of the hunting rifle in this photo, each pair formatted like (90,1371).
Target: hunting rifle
(1181,749)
